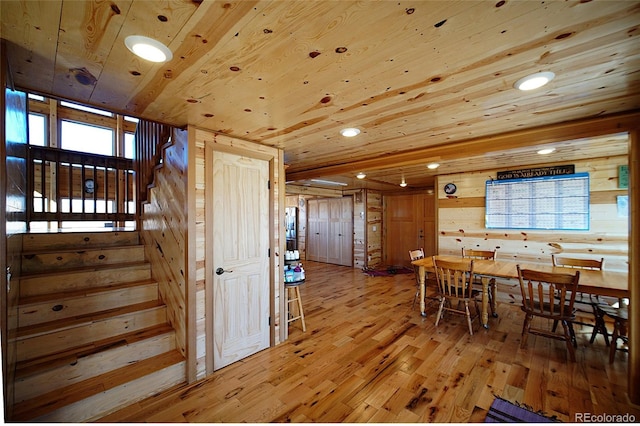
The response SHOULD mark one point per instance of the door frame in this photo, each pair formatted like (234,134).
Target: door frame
(210,148)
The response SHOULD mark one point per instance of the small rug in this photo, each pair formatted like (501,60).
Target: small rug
(503,411)
(391,270)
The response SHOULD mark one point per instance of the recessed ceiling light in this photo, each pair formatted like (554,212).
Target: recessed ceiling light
(546,151)
(361,175)
(350,132)
(433,166)
(148,48)
(534,81)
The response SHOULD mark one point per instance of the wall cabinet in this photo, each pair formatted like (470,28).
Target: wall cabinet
(330,230)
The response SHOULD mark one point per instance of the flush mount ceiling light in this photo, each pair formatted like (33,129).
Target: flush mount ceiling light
(148,48)
(350,132)
(433,166)
(361,175)
(534,81)
(546,151)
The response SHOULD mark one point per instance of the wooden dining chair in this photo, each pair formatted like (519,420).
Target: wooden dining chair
(415,255)
(455,289)
(586,303)
(484,255)
(539,290)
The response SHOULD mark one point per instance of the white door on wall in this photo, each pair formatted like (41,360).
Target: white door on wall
(240,257)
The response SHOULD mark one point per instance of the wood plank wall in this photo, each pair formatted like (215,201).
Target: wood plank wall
(461,220)
(13,190)
(201,138)
(164,224)
(374,228)
(359,230)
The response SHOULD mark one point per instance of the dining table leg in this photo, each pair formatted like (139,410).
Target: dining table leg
(422,273)
(485,302)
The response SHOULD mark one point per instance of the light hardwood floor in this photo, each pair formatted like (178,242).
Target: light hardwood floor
(368,357)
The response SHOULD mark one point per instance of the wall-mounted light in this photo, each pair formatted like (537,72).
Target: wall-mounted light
(350,132)
(148,48)
(534,81)
(433,166)
(546,151)
(361,175)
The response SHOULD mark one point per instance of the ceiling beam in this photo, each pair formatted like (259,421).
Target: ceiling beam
(521,138)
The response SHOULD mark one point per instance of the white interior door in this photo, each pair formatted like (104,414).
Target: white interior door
(240,257)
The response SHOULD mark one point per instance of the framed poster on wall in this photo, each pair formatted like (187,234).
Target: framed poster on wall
(545,203)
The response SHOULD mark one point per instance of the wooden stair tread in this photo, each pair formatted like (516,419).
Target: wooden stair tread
(53,400)
(49,361)
(80,249)
(66,323)
(81,269)
(66,295)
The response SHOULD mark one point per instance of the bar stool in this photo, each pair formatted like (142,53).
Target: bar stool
(620,318)
(293,296)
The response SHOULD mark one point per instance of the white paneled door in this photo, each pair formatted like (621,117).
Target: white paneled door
(240,257)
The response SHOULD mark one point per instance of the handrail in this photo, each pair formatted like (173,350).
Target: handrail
(76,186)
(150,139)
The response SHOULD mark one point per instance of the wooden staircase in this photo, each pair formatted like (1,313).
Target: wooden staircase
(93,335)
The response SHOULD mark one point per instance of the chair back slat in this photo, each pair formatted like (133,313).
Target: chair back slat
(454,278)
(549,295)
(416,254)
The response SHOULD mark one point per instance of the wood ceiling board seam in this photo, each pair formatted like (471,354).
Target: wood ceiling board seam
(18,27)
(552,133)
(151,93)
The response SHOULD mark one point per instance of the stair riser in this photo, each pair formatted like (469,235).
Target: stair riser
(63,308)
(99,405)
(48,242)
(61,282)
(40,262)
(92,366)
(57,341)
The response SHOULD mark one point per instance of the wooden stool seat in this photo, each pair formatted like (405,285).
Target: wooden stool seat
(620,318)
(293,296)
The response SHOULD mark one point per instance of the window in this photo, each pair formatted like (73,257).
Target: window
(129,148)
(37,130)
(86,138)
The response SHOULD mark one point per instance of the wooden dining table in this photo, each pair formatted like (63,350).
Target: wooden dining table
(601,283)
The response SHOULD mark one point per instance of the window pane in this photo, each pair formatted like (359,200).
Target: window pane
(37,130)
(86,108)
(128,145)
(133,119)
(86,138)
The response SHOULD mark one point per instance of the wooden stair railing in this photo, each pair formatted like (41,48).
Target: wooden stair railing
(151,139)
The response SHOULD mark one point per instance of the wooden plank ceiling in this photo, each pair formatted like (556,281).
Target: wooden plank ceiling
(414,76)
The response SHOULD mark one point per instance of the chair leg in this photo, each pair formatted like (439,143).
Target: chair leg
(439,315)
(600,326)
(614,341)
(466,308)
(493,292)
(525,330)
(568,331)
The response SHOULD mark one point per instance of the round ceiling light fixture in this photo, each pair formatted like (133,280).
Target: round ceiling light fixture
(350,132)
(148,48)
(534,81)
(403,183)
(433,166)
(361,175)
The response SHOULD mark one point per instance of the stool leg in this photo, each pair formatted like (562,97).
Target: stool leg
(299,299)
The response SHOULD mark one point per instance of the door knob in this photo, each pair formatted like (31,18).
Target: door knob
(221,271)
